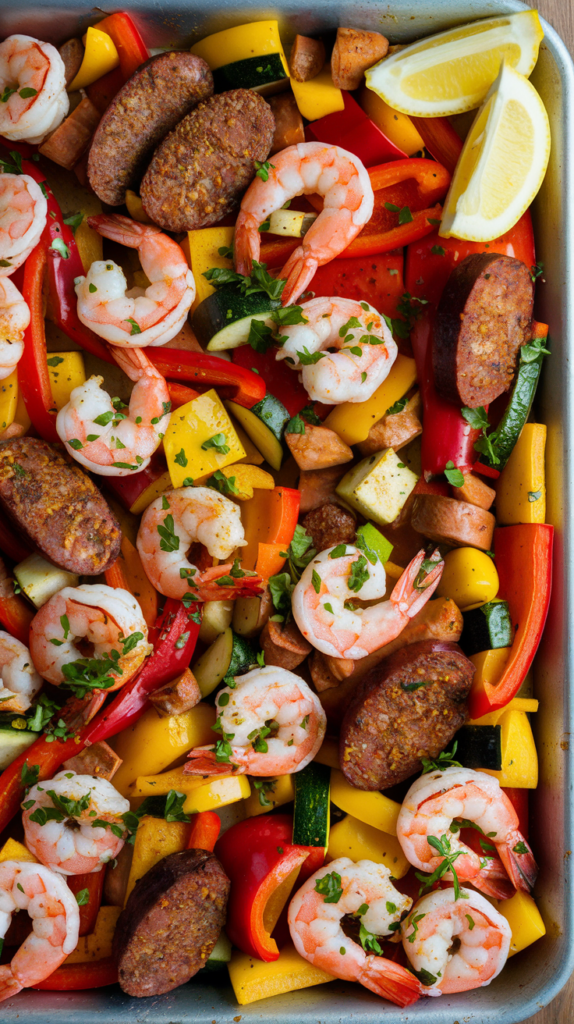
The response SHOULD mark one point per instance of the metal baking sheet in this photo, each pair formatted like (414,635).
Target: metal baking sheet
(531,979)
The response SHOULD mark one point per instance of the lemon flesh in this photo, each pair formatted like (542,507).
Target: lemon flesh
(502,164)
(453,71)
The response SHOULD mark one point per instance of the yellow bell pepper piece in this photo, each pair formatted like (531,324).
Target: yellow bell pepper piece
(135,208)
(22,413)
(201,794)
(278,899)
(189,428)
(253,456)
(8,399)
(524,919)
(373,808)
(12,850)
(489,664)
(328,753)
(100,57)
(360,841)
(247,478)
(155,839)
(469,578)
(98,944)
(90,244)
(519,757)
(319,96)
(396,126)
(67,372)
(204,246)
(521,487)
(276,792)
(353,420)
(253,979)
(255,39)
(154,743)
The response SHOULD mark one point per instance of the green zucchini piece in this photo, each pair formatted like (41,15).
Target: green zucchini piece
(264,75)
(220,954)
(312,800)
(39,580)
(223,320)
(14,742)
(273,414)
(264,424)
(516,413)
(479,746)
(228,656)
(486,628)
(373,540)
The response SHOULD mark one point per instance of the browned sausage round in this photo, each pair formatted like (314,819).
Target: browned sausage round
(56,505)
(200,171)
(284,645)
(162,91)
(448,521)
(482,320)
(329,525)
(407,707)
(170,923)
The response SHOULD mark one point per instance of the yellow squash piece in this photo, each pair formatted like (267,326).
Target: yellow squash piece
(396,126)
(378,486)
(155,839)
(90,244)
(273,793)
(353,420)
(8,399)
(12,850)
(254,39)
(253,456)
(153,743)
(202,794)
(135,208)
(254,979)
(67,372)
(100,57)
(191,426)
(204,246)
(319,96)
(98,944)
(246,478)
(328,753)
(521,487)
(359,841)
(469,578)
(519,757)
(21,412)
(373,808)
(524,919)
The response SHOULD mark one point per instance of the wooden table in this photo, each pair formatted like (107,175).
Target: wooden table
(560,14)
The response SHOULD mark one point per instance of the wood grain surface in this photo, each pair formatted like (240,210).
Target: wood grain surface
(560,14)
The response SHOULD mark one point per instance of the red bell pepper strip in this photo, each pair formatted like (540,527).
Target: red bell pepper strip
(94,884)
(523,558)
(285,386)
(102,92)
(377,280)
(233,382)
(47,756)
(519,800)
(353,130)
(127,489)
(174,638)
(33,376)
(258,856)
(180,394)
(131,48)
(15,614)
(440,139)
(205,831)
(76,977)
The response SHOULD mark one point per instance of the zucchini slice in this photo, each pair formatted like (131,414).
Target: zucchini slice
(248,617)
(264,75)
(264,424)
(311,814)
(291,223)
(39,580)
(220,954)
(14,741)
(486,628)
(516,413)
(223,320)
(215,620)
(228,656)
(480,747)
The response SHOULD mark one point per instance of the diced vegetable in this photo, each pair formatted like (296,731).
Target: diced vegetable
(361,841)
(100,57)
(489,665)
(291,223)
(136,209)
(318,97)
(398,127)
(201,794)
(204,246)
(97,945)
(378,486)
(374,809)
(13,850)
(216,619)
(220,954)
(479,746)
(524,919)
(186,441)
(246,57)
(129,574)
(251,613)
(155,839)
(269,518)
(266,794)
(223,320)
(469,577)
(369,537)
(14,742)
(39,580)
(264,424)
(353,420)
(521,488)
(253,979)
(229,655)
(355,132)
(244,478)
(270,560)
(486,628)
(67,372)
(311,814)
(519,759)
(8,399)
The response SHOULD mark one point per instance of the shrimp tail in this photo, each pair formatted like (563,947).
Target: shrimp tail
(410,597)
(493,881)
(121,229)
(9,984)
(299,271)
(247,242)
(203,761)
(216,584)
(391,981)
(519,862)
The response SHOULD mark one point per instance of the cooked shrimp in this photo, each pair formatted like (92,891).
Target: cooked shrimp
(176,521)
(271,723)
(365,349)
(33,80)
(435,800)
(23,212)
(55,923)
(20,681)
(101,437)
(306,168)
(108,620)
(367,893)
(456,945)
(73,840)
(141,317)
(329,584)
(14,319)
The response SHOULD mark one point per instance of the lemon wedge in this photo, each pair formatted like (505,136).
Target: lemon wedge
(453,71)
(502,164)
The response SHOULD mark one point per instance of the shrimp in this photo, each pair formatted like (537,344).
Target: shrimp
(33,89)
(455,944)
(365,349)
(306,168)
(55,923)
(435,800)
(367,893)
(23,212)
(142,317)
(176,521)
(110,623)
(20,681)
(14,319)
(329,583)
(274,720)
(73,839)
(99,436)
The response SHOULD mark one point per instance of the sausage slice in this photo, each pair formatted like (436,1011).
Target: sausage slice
(330,525)
(407,707)
(483,318)
(448,521)
(171,923)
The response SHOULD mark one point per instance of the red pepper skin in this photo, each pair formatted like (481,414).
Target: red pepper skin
(131,48)
(180,394)
(76,977)
(166,662)
(233,382)
(353,130)
(378,281)
(440,139)
(15,613)
(524,564)
(102,92)
(519,800)
(257,855)
(204,831)
(94,883)
(127,489)
(281,382)
(33,376)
